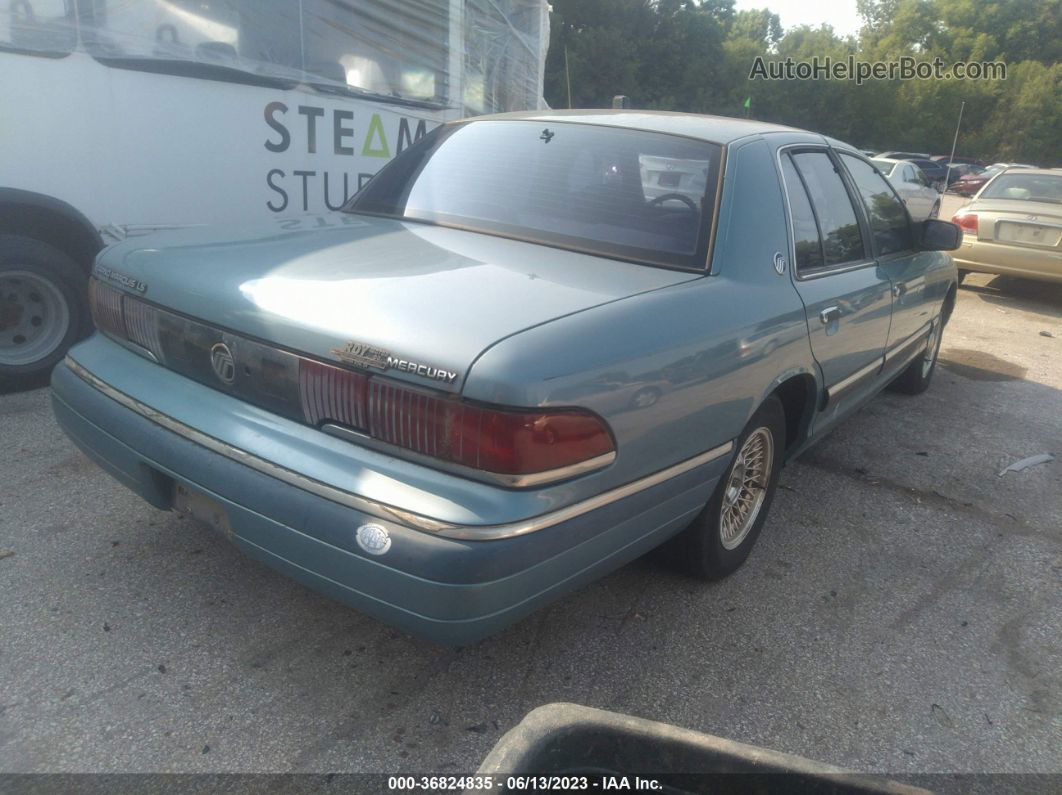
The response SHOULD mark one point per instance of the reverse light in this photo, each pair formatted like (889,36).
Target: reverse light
(966,221)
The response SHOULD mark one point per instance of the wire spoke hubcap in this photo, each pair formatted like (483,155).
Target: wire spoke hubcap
(746,487)
(34,317)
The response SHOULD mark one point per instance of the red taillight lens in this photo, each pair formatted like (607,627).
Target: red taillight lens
(501,441)
(966,221)
(504,441)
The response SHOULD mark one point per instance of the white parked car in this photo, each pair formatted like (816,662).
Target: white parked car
(914,187)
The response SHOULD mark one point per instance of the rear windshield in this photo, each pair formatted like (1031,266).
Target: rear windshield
(884,166)
(620,193)
(1025,187)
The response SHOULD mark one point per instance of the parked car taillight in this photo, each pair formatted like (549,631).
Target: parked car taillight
(966,221)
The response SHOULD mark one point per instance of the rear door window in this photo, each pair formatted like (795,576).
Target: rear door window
(842,239)
(806,241)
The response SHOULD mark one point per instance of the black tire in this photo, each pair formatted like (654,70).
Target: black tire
(699,549)
(935,211)
(916,377)
(43,305)
(962,275)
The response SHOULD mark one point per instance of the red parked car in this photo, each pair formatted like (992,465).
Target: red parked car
(971,183)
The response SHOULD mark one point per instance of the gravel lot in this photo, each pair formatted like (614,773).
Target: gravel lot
(901,613)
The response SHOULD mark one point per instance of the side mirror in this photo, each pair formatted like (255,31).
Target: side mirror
(940,235)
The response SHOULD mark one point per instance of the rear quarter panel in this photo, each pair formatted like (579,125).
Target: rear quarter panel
(707,352)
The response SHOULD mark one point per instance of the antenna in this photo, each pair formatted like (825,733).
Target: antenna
(955,140)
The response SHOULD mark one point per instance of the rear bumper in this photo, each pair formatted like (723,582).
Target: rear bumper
(985,256)
(453,591)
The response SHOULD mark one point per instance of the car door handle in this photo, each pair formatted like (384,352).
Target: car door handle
(898,290)
(830,314)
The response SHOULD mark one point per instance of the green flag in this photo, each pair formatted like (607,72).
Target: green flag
(748,102)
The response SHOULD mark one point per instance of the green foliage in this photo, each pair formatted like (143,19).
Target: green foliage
(696,56)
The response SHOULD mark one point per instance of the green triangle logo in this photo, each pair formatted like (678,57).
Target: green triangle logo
(376,129)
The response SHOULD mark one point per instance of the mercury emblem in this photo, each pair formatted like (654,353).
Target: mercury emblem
(224,364)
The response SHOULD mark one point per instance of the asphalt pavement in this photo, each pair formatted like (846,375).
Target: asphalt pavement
(901,613)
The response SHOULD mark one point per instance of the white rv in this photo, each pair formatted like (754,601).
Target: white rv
(120,117)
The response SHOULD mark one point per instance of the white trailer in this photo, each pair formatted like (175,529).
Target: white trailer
(121,117)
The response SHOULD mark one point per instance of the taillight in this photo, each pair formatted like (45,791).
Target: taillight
(502,441)
(966,221)
(124,317)
(105,304)
(329,394)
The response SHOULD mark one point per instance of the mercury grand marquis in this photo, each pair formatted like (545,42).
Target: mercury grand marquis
(532,348)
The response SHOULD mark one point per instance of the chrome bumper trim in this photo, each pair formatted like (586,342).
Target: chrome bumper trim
(382,510)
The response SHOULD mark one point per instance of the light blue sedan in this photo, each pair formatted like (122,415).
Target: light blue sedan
(532,348)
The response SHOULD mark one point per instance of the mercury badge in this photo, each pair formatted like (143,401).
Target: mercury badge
(373,538)
(369,357)
(223,363)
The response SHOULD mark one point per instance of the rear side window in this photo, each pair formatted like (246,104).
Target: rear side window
(807,245)
(888,217)
(842,240)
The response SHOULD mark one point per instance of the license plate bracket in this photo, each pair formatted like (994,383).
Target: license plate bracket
(201,508)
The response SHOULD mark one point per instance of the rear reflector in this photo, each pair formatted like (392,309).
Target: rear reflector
(966,221)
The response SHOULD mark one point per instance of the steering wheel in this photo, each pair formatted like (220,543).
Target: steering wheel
(659,200)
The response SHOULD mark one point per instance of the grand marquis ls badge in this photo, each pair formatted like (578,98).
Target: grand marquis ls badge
(361,354)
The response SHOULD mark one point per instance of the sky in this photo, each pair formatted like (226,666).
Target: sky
(841,14)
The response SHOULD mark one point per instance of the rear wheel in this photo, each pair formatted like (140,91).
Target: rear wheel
(962,275)
(936,210)
(42,307)
(723,534)
(915,378)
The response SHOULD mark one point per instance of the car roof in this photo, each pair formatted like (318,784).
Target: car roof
(1051,172)
(717,129)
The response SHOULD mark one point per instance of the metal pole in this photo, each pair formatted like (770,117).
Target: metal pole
(955,140)
(567,77)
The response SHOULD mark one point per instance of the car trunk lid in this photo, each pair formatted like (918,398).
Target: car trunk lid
(1033,224)
(366,290)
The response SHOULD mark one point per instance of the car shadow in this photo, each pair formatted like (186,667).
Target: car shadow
(1035,296)
(25,384)
(980,365)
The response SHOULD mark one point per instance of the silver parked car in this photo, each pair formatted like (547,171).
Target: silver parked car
(914,187)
